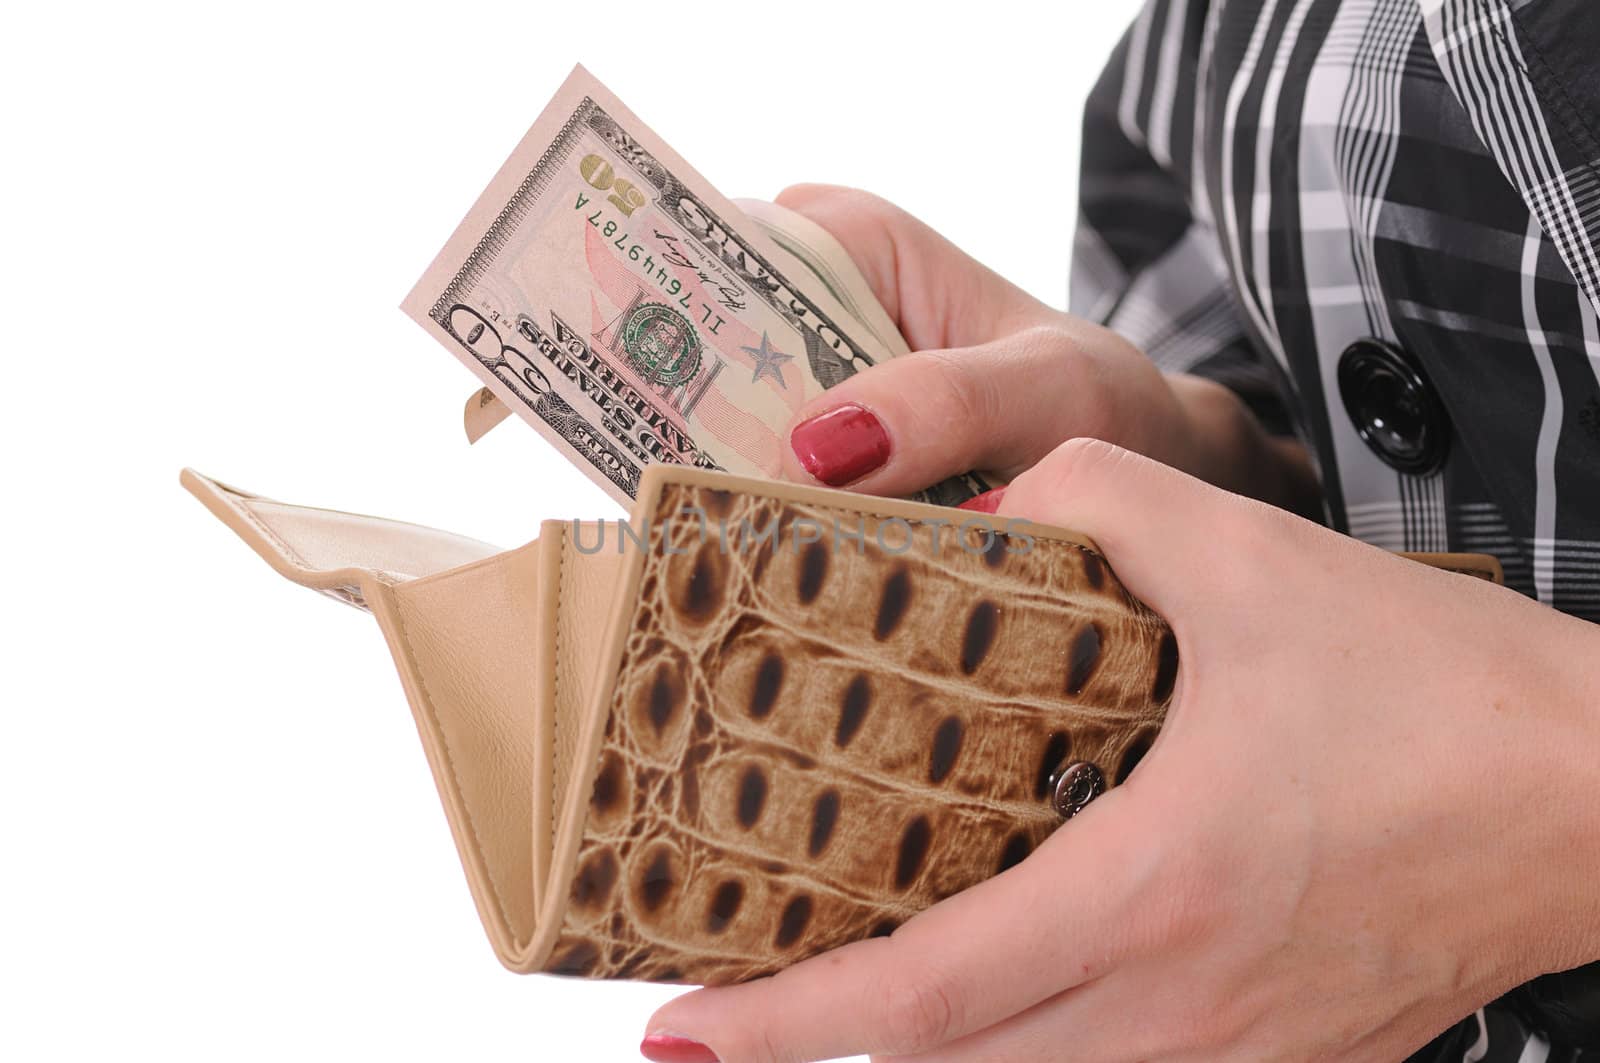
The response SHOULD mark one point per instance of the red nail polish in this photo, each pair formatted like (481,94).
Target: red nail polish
(669,1048)
(842,445)
(987,502)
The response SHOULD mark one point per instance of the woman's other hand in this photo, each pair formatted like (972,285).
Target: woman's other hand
(997,379)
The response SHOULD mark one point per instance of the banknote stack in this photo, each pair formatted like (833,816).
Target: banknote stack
(604,292)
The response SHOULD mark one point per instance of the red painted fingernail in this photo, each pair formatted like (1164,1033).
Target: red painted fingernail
(841,445)
(669,1048)
(987,502)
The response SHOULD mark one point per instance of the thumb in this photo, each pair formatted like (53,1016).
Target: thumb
(1000,406)
(936,294)
(1167,534)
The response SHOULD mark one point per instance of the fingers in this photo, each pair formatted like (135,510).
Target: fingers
(973,960)
(998,378)
(1048,1031)
(936,294)
(917,419)
(1131,1014)
(1168,535)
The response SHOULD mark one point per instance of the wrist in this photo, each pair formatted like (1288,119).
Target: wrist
(1520,771)
(1564,918)
(1225,444)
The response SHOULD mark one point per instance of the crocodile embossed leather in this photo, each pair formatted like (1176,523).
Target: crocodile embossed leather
(807,744)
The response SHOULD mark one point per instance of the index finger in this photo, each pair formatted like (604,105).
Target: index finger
(1054,921)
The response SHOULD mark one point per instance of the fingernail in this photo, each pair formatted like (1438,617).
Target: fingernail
(842,445)
(987,502)
(670,1048)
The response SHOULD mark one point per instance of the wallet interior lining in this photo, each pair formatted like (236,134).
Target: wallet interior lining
(471,687)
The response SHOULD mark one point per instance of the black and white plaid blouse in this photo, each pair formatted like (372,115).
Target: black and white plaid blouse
(1379,222)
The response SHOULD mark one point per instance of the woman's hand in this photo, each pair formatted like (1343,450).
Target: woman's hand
(998,379)
(1375,806)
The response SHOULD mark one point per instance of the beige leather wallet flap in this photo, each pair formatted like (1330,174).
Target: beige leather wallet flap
(496,651)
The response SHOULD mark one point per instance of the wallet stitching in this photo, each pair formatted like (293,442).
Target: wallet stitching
(555,663)
(450,764)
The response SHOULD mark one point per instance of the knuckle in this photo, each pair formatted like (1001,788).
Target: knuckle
(919,1014)
(1052,344)
(963,394)
(1072,468)
(1053,347)
(772,1052)
(1085,457)
(756,1046)
(1089,403)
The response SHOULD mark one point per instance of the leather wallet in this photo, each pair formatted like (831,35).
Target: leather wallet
(756,722)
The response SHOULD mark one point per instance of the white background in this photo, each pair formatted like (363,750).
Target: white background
(220,838)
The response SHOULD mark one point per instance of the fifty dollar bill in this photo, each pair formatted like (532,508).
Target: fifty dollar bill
(606,293)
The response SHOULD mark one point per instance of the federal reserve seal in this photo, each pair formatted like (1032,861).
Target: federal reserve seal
(661,345)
